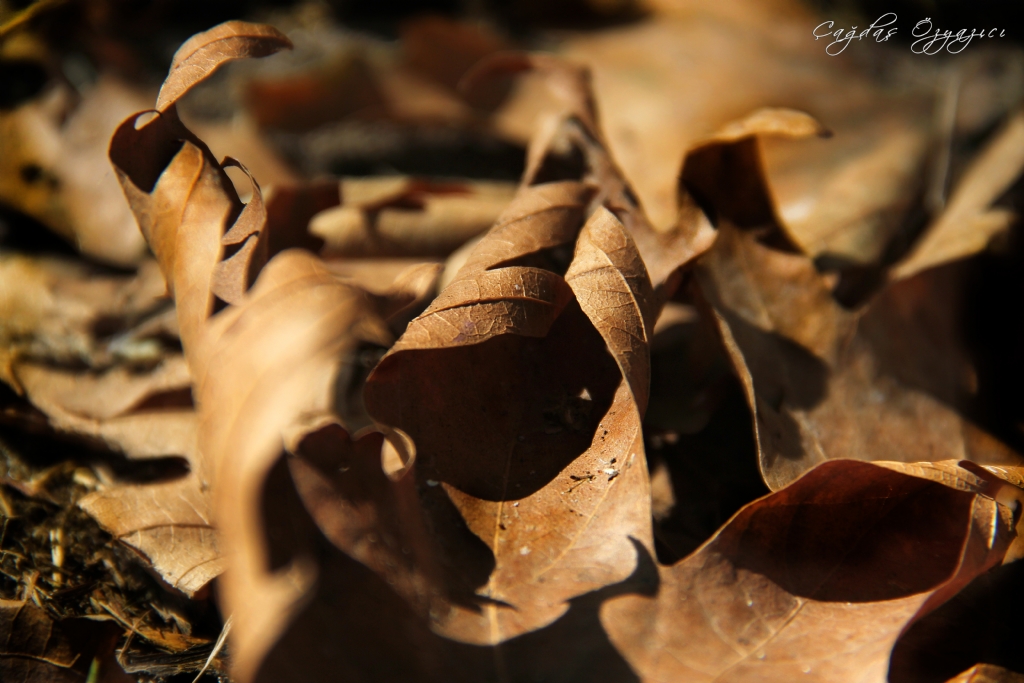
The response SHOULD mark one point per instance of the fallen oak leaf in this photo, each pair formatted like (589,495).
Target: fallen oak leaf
(587,426)
(268,366)
(965,630)
(822,382)
(235,273)
(34,649)
(65,394)
(52,310)
(205,52)
(183,199)
(868,551)
(723,173)
(575,121)
(987,673)
(183,210)
(168,523)
(55,168)
(813,372)
(185,203)
(140,412)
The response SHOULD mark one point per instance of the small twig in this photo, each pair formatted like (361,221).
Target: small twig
(216,649)
(935,195)
(26,15)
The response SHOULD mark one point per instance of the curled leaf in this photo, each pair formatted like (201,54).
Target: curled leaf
(204,53)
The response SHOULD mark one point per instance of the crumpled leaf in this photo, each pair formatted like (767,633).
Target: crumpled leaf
(185,204)
(573,122)
(205,52)
(868,551)
(660,93)
(184,236)
(966,630)
(184,201)
(824,382)
(168,522)
(501,296)
(817,376)
(573,451)
(987,673)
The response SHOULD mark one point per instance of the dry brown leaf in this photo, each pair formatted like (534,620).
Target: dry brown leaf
(64,313)
(208,246)
(33,649)
(205,52)
(501,502)
(269,365)
(63,393)
(169,524)
(660,91)
(55,168)
(129,398)
(826,383)
(183,199)
(987,673)
(240,139)
(868,551)
(408,217)
(184,210)
(572,123)
(969,221)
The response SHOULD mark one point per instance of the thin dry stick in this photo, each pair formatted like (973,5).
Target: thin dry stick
(19,19)
(216,649)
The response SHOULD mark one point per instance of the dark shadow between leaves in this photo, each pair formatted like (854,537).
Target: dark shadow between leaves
(713,472)
(396,517)
(972,628)
(785,375)
(29,433)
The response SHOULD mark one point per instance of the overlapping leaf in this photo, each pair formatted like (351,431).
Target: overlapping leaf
(494,523)
(866,551)
(825,382)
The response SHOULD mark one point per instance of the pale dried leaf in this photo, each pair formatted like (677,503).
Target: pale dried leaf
(267,365)
(54,167)
(204,53)
(167,523)
(400,216)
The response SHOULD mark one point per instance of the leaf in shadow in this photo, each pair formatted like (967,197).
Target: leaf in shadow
(33,648)
(825,392)
(355,613)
